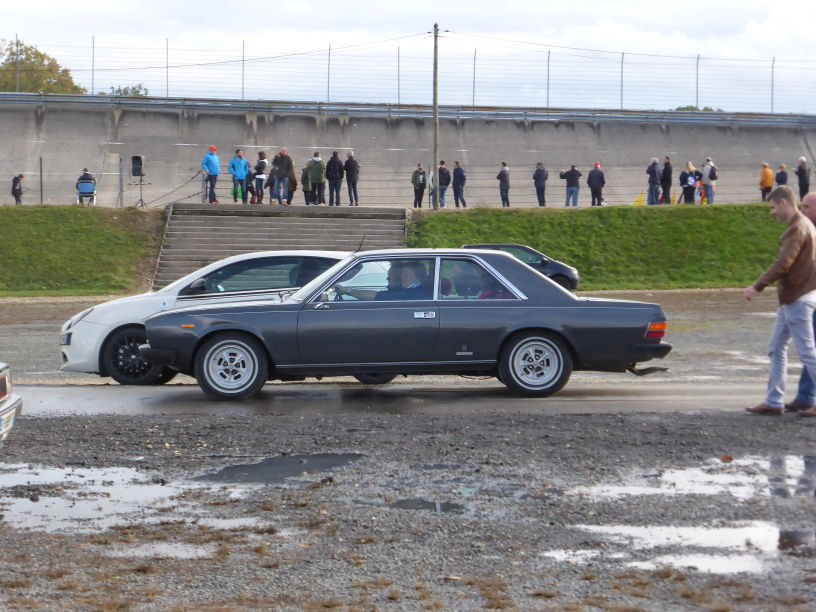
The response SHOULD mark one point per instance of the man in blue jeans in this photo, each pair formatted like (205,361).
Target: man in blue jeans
(210,167)
(571,176)
(804,401)
(794,272)
(239,169)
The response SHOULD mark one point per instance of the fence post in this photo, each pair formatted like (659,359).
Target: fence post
(42,197)
(548,77)
(398,75)
(121,198)
(473,95)
(93,63)
(328,77)
(17,63)
(243,62)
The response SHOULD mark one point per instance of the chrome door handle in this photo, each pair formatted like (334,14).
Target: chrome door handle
(320,305)
(428,314)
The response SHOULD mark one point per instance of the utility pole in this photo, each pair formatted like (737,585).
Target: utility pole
(773,65)
(17,63)
(473,96)
(167,67)
(697,84)
(243,62)
(328,77)
(398,75)
(435,196)
(93,63)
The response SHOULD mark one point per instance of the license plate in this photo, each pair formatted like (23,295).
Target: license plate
(7,422)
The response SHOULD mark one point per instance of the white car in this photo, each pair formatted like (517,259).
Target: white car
(105,339)
(10,404)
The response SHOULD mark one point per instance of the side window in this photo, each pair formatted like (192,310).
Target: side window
(522,255)
(384,280)
(254,275)
(461,279)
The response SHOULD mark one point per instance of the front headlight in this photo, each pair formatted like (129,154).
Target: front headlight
(78,317)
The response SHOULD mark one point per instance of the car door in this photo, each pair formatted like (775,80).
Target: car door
(362,318)
(476,308)
(251,279)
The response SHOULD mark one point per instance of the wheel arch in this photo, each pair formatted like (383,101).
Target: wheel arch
(235,330)
(541,329)
(106,340)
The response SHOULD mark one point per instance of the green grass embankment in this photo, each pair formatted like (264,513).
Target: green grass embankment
(71,250)
(625,247)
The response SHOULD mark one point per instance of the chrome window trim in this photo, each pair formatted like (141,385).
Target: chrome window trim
(360,260)
(243,292)
(490,270)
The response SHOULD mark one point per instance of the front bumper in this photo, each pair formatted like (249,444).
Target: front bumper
(11,408)
(160,356)
(80,346)
(645,352)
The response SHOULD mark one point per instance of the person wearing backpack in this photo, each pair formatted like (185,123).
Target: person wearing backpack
(688,181)
(710,176)
(459,180)
(260,176)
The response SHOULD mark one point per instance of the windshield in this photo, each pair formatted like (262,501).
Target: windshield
(302,293)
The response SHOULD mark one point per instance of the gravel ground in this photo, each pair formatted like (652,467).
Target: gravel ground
(503,510)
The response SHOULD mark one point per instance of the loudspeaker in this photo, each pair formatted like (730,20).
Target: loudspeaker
(137,165)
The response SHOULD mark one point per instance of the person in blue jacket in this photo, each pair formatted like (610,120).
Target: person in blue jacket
(239,169)
(210,167)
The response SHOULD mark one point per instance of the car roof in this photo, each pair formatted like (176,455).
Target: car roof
(426,252)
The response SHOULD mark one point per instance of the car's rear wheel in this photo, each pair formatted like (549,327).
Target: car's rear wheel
(563,281)
(536,364)
(231,366)
(380,378)
(122,362)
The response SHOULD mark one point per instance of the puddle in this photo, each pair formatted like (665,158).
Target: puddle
(741,478)
(710,564)
(163,550)
(756,535)
(278,469)
(87,499)
(417,503)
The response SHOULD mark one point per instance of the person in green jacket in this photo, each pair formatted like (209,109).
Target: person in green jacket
(317,177)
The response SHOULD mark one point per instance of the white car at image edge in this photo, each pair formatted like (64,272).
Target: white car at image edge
(105,339)
(10,404)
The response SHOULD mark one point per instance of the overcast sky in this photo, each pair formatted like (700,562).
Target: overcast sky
(133,33)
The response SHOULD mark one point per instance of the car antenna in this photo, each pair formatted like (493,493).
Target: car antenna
(361,244)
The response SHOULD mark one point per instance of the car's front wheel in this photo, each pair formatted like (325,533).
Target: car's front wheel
(563,281)
(122,362)
(380,378)
(536,364)
(231,366)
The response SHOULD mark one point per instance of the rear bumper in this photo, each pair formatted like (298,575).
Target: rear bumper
(160,356)
(645,352)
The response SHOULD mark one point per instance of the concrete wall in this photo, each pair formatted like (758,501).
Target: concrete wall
(173,139)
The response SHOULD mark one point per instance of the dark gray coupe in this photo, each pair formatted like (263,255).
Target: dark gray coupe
(377,314)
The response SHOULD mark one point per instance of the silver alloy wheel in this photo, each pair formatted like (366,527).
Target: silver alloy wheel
(231,366)
(536,363)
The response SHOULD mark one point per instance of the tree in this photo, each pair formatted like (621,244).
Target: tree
(705,109)
(25,68)
(139,91)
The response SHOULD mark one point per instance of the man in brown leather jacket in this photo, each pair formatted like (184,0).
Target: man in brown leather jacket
(794,271)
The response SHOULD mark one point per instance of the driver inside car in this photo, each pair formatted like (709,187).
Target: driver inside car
(394,285)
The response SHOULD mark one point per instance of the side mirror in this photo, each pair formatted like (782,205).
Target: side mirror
(197,286)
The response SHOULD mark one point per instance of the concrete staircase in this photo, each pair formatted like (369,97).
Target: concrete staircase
(199,234)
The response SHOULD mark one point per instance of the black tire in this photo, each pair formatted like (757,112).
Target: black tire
(380,378)
(122,362)
(562,280)
(231,366)
(536,364)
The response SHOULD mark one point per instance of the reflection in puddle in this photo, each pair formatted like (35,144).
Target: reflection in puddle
(164,550)
(278,469)
(742,478)
(733,548)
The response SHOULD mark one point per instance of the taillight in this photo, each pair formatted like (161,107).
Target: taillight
(656,329)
